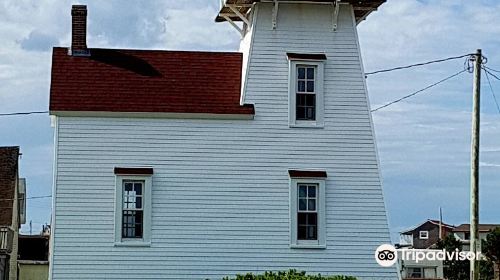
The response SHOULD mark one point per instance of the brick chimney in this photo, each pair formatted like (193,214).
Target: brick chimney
(79,31)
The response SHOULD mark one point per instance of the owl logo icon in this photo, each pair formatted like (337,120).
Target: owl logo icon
(386,255)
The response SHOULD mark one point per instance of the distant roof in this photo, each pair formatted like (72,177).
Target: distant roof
(434,222)
(8,175)
(362,8)
(482,227)
(147,81)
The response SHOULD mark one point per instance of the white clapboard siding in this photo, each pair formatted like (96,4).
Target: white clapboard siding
(220,197)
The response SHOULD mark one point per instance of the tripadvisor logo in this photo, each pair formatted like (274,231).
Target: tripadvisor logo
(386,255)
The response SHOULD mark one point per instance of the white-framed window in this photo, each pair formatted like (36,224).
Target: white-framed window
(307,213)
(466,236)
(415,272)
(305,106)
(133,210)
(423,234)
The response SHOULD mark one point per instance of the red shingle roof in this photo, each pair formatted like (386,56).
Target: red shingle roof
(148,81)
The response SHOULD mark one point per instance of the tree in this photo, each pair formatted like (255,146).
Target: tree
(491,249)
(454,270)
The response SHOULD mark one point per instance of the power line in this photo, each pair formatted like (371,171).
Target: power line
(491,69)
(419,91)
(31,197)
(23,113)
(417,64)
(491,74)
(37,197)
(491,89)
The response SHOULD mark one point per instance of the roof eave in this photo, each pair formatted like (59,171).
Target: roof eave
(156,115)
(361,8)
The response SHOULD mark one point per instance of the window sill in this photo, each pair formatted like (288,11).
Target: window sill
(132,244)
(307,125)
(308,246)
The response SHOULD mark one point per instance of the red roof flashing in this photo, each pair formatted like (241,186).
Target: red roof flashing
(147,81)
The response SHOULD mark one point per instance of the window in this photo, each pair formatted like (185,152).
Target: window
(424,234)
(305,105)
(307,213)
(415,272)
(306,91)
(133,206)
(22,200)
(133,211)
(466,235)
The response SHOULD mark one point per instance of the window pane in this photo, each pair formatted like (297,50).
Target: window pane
(132,224)
(138,217)
(310,73)
(302,204)
(138,230)
(301,219)
(301,99)
(128,187)
(138,188)
(311,191)
(310,86)
(129,202)
(301,233)
(301,86)
(312,233)
(138,202)
(310,99)
(302,191)
(301,113)
(307,226)
(306,106)
(301,72)
(311,205)
(312,219)
(310,113)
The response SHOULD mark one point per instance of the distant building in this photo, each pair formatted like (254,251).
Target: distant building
(462,233)
(426,269)
(12,210)
(33,261)
(425,235)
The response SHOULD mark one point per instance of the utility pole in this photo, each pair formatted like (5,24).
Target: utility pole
(474,190)
(440,223)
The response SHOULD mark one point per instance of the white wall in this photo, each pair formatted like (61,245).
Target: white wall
(220,188)
(466,242)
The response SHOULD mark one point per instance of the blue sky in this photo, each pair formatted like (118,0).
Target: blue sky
(424,142)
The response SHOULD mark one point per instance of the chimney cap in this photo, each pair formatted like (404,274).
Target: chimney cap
(79,10)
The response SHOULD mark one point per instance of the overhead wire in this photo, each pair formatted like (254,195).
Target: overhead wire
(31,197)
(23,113)
(418,64)
(419,91)
(491,69)
(491,89)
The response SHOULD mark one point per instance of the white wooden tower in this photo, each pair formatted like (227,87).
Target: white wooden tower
(303,71)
